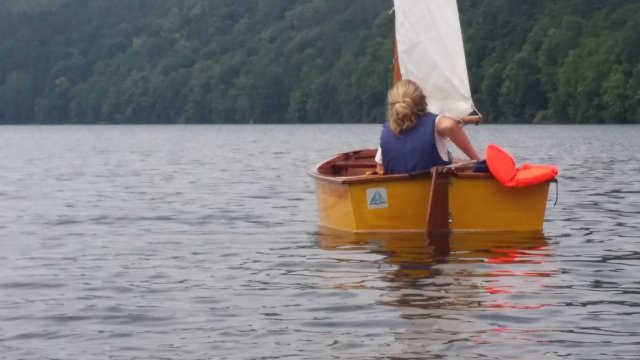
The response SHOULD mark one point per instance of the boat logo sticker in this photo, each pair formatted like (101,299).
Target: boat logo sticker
(377,198)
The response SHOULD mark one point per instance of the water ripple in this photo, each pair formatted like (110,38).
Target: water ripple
(200,242)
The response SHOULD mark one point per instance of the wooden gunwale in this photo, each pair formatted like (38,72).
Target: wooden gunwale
(364,159)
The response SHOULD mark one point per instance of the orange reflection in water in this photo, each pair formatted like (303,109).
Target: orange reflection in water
(452,289)
(458,270)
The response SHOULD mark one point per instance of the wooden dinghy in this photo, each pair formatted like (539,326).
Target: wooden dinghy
(351,197)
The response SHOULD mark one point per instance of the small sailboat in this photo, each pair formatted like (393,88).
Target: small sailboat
(351,197)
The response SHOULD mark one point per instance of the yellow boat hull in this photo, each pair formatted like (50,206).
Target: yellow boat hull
(352,201)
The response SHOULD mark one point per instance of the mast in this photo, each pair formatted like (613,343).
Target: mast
(397,76)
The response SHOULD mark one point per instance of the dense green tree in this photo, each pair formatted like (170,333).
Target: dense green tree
(301,61)
(16,97)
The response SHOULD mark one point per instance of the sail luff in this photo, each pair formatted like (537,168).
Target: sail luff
(430,52)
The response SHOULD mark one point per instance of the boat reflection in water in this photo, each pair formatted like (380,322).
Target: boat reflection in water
(466,289)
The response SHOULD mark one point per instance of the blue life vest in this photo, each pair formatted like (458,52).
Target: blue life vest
(412,150)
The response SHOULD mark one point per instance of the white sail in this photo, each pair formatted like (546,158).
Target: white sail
(431,52)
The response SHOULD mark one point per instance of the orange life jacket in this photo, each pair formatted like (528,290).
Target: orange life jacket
(503,168)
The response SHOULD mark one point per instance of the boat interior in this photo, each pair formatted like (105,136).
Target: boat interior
(352,163)
(361,163)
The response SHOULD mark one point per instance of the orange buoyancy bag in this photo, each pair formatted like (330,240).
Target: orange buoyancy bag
(503,168)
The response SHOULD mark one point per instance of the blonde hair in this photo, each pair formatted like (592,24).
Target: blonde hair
(405,103)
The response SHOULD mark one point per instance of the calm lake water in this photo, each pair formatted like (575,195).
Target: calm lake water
(201,242)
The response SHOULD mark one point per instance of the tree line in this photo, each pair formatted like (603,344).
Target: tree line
(304,61)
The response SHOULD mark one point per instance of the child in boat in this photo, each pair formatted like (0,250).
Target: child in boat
(414,139)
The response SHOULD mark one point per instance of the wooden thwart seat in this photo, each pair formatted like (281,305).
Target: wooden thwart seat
(354,165)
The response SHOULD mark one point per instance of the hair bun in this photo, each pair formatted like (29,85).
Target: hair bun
(405,103)
(404,108)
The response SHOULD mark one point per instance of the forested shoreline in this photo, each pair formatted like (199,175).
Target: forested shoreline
(304,61)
